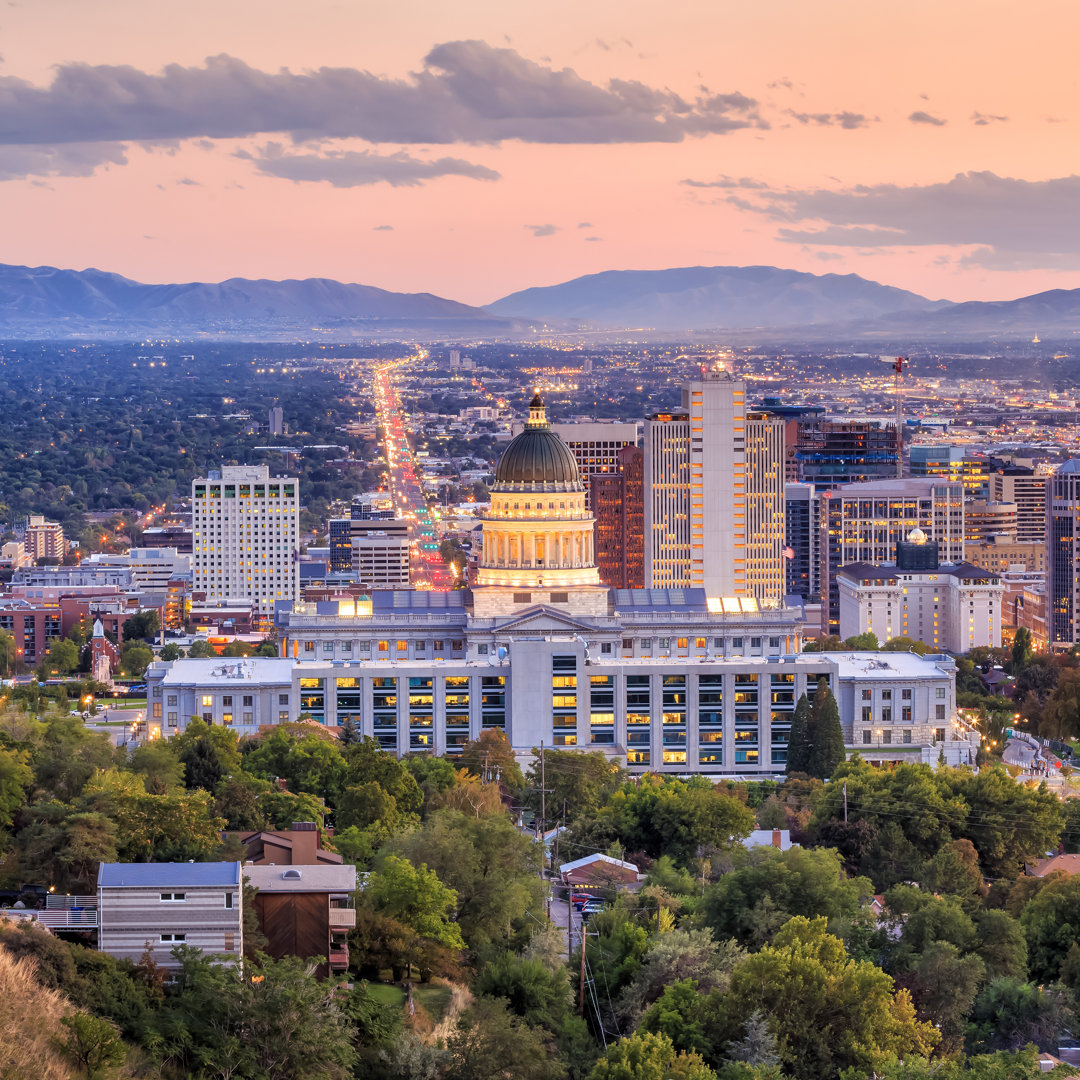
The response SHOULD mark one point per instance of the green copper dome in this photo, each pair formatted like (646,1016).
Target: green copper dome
(538,458)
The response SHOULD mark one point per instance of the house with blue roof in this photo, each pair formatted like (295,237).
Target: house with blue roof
(156,906)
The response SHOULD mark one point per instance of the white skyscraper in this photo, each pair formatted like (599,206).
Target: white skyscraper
(245,534)
(714,518)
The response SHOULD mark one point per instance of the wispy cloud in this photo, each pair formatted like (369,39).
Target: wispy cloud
(357,168)
(849,121)
(1006,222)
(543,230)
(921,117)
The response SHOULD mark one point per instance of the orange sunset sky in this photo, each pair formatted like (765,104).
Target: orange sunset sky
(478,147)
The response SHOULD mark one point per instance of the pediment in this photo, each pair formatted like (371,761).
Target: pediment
(543,619)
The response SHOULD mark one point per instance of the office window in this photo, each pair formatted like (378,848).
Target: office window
(867,694)
(173,897)
(283,717)
(866,738)
(168,938)
(939,692)
(939,712)
(283,699)
(170,699)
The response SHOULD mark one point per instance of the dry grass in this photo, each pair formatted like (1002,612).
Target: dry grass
(460,1000)
(29,1018)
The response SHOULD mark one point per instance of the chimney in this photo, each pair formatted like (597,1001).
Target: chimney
(777,840)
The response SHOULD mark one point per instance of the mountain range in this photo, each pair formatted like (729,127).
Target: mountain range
(39,302)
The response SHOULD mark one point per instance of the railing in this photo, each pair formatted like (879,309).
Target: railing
(68,912)
(338,958)
(342,918)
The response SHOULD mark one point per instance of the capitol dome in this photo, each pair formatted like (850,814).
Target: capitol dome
(538,460)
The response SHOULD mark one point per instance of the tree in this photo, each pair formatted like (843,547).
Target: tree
(1050,920)
(15,778)
(201,649)
(1009,1014)
(798,755)
(92,1043)
(1021,649)
(828,1012)
(826,734)
(488,1041)
(906,644)
(142,626)
(157,763)
(867,641)
(135,659)
(676,1013)
(1061,714)
(170,651)
(532,991)
(238,649)
(944,984)
(415,897)
(491,757)
(752,902)
(648,1056)
(491,866)
(673,957)
(955,870)
(349,731)
(305,759)
(581,782)
(62,657)
(1000,942)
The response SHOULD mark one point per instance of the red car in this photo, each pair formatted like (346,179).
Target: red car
(579,900)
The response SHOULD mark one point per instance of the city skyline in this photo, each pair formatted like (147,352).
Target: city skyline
(473,151)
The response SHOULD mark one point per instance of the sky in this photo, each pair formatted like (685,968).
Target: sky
(474,148)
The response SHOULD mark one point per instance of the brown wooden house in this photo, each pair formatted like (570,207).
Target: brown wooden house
(301,845)
(306,910)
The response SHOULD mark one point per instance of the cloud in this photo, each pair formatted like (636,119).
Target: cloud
(584,224)
(69,159)
(920,117)
(188,182)
(357,168)
(467,91)
(781,84)
(594,239)
(726,182)
(382,228)
(1019,223)
(543,230)
(847,120)
(982,119)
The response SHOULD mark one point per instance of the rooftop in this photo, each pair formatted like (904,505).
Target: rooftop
(169,875)
(304,878)
(229,671)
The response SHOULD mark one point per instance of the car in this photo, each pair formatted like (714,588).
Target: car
(591,907)
(579,900)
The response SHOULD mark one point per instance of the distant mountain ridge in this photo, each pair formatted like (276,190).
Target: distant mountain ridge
(37,296)
(763,301)
(712,297)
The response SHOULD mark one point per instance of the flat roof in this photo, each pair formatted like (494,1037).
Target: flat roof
(229,671)
(302,878)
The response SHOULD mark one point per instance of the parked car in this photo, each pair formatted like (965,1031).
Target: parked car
(591,907)
(579,900)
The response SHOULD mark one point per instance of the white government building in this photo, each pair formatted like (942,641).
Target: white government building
(668,680)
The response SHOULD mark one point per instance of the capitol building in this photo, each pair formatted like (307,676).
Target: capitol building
(662,680)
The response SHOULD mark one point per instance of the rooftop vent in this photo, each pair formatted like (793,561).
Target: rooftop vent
(292,875)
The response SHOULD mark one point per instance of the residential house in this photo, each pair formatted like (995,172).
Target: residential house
(306,910)
(158,906)
(302,844)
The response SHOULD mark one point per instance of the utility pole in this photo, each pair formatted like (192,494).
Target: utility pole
(581,999)
(543,790)
(845,802)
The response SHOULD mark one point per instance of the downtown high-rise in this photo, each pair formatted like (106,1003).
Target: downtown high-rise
(714,506)
(245,533)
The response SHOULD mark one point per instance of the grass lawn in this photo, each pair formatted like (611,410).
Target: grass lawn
(432,997)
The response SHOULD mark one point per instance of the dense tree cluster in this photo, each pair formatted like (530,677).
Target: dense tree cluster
(901,939)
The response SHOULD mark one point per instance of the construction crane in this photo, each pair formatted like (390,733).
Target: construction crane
(899,363)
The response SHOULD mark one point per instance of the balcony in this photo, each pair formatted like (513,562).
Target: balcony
(69,913)
(342,918)
(338,957)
